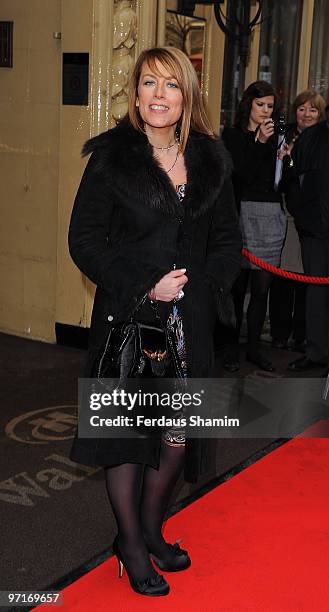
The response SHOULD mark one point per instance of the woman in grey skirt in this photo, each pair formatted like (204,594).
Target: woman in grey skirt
(253,146)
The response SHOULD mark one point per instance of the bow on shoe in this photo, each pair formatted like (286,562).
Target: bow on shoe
(177,560)
(152,581)
(177,549)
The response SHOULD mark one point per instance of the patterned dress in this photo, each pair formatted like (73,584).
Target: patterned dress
(176,435)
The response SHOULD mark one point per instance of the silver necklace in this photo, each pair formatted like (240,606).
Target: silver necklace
(174,164)
(162,149)
(168,147)
(165,148)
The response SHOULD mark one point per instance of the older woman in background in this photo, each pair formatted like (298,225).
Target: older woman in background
(287,297)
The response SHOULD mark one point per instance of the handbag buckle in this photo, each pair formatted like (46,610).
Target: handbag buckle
(155,355)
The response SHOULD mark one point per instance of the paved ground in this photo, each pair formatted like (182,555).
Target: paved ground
(279,357)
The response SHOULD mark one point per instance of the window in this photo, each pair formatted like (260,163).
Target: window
(234,69)
(187,34)
(6,44)
(319,60)
(279,47)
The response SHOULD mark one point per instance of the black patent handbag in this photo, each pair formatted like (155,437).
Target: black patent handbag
(135,349)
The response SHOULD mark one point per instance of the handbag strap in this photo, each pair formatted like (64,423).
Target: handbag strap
(153,305)
(137,307)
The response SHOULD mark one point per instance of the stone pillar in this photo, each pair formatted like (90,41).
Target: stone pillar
(114,32)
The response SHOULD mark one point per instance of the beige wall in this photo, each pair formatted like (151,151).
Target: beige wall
(29,129)
(75,129)
(40,156)
(40,166)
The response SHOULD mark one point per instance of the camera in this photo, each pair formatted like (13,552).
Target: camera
(280,125)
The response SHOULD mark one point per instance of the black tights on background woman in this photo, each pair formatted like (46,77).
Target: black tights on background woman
(260,281)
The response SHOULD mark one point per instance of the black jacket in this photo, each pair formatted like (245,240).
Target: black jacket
(308,196)
(254,166)
(128,229)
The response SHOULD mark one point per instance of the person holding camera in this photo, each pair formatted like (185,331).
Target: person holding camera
(253,146)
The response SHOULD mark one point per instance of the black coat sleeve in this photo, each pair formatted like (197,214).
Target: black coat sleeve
(291,188)
(223,262)
(125,279)
(90,220)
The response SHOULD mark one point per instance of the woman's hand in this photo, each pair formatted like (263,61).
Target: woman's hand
(168,288)
(266,130)
(285,150)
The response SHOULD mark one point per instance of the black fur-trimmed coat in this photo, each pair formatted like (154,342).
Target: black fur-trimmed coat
(128,229)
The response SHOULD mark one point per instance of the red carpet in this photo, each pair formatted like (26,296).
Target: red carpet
(258,542)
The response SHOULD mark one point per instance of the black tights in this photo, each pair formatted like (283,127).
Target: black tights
(260,281)
(139,498)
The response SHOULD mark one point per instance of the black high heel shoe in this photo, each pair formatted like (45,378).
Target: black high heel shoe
(231,361)
(153,585)
(180,559)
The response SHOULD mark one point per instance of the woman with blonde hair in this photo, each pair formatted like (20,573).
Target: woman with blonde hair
(154,217)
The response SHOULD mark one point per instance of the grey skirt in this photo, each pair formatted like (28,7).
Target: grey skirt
(263,226)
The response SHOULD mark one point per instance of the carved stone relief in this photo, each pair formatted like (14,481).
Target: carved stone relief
(124,41)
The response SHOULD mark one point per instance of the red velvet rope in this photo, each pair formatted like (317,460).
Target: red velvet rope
(315,280)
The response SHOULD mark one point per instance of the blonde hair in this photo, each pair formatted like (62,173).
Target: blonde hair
(179,66)
(309,95)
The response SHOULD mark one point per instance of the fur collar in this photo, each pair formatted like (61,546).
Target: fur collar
(125,157)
